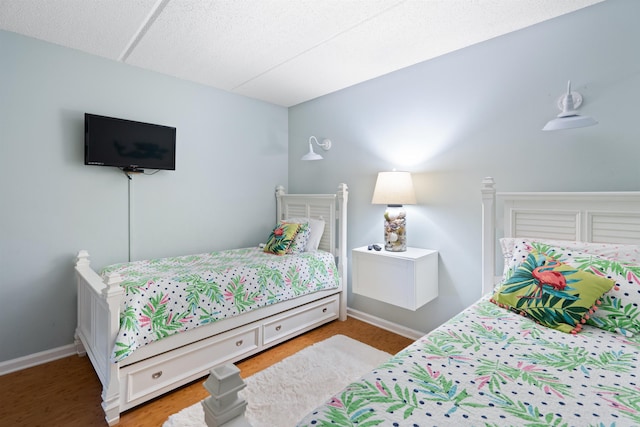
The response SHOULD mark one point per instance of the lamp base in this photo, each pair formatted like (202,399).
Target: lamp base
(395,229)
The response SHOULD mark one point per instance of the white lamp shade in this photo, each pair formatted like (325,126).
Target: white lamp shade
(569,122)
(394,188)
(569,117)
(311,155)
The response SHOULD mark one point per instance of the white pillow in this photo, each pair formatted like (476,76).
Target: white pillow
(316,226)
(616,251)
(515,249)
(317,229)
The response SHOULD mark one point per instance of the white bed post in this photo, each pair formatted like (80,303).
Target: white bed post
(488,234)
(98,325)
(279,193)
(112,294)
(82,262)
(343,196)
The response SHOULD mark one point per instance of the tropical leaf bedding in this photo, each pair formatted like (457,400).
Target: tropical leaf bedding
(489,366)
(169,295)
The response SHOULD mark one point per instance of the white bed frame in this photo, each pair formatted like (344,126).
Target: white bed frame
(599,217)
(176,360)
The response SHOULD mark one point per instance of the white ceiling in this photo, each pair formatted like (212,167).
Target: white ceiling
(281,51)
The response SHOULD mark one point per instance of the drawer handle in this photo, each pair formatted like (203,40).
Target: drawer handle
(156,375)
(324,310)
(239,343)
(278,327)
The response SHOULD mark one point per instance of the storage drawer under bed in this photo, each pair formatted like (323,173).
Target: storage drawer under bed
(143,379)
(151,377)
(301,319)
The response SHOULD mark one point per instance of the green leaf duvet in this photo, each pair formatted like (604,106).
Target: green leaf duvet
(170,295)
(491,367)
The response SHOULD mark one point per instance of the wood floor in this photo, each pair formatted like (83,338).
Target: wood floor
(66,392)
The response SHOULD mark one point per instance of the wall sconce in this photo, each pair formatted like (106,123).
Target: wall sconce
(394,189)
(569,117)
(312,155)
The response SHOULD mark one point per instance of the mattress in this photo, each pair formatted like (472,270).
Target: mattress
(489,366)
(166,296)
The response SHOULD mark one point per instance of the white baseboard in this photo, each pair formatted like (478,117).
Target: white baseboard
(69,350)
(36,359)
(385,324)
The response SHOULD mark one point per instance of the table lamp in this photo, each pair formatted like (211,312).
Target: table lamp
(394,189)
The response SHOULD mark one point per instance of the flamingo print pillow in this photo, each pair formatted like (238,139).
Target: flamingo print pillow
(552,293)
(620,309)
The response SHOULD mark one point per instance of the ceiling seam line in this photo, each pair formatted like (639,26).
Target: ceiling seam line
(318,44)
(156,10)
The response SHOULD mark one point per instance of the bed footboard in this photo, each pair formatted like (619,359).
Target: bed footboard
(98,322)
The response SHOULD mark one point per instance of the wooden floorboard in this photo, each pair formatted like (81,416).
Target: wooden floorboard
(66,392)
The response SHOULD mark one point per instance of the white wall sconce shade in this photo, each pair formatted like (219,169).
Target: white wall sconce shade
(312,155)
(394,189)
(569,117)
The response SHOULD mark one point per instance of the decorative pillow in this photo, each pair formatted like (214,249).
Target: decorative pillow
(316,228)
(553,294)
(300,241)
(620,309)
(281,238)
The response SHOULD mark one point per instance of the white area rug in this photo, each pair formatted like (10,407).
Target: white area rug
(284,393)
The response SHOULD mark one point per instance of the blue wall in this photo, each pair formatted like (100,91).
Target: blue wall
(231,153)
(473,113)
(451,121)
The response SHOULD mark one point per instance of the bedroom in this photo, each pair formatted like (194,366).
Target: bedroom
(478,110)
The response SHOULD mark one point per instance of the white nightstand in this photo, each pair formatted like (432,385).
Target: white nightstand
(407,279)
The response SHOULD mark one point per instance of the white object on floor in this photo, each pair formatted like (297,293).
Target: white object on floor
(283,393)
(224,404)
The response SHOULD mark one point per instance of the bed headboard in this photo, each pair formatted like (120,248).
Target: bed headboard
(600,217)
(329,207)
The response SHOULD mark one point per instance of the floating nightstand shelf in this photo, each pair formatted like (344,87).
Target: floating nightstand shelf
(406,279)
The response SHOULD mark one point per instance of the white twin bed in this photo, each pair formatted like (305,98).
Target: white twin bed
(225,305)
(554,341)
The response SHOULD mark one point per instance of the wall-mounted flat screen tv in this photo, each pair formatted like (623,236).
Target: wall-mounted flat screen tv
(130,145)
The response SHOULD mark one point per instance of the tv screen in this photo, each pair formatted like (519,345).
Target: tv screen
(129,145)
